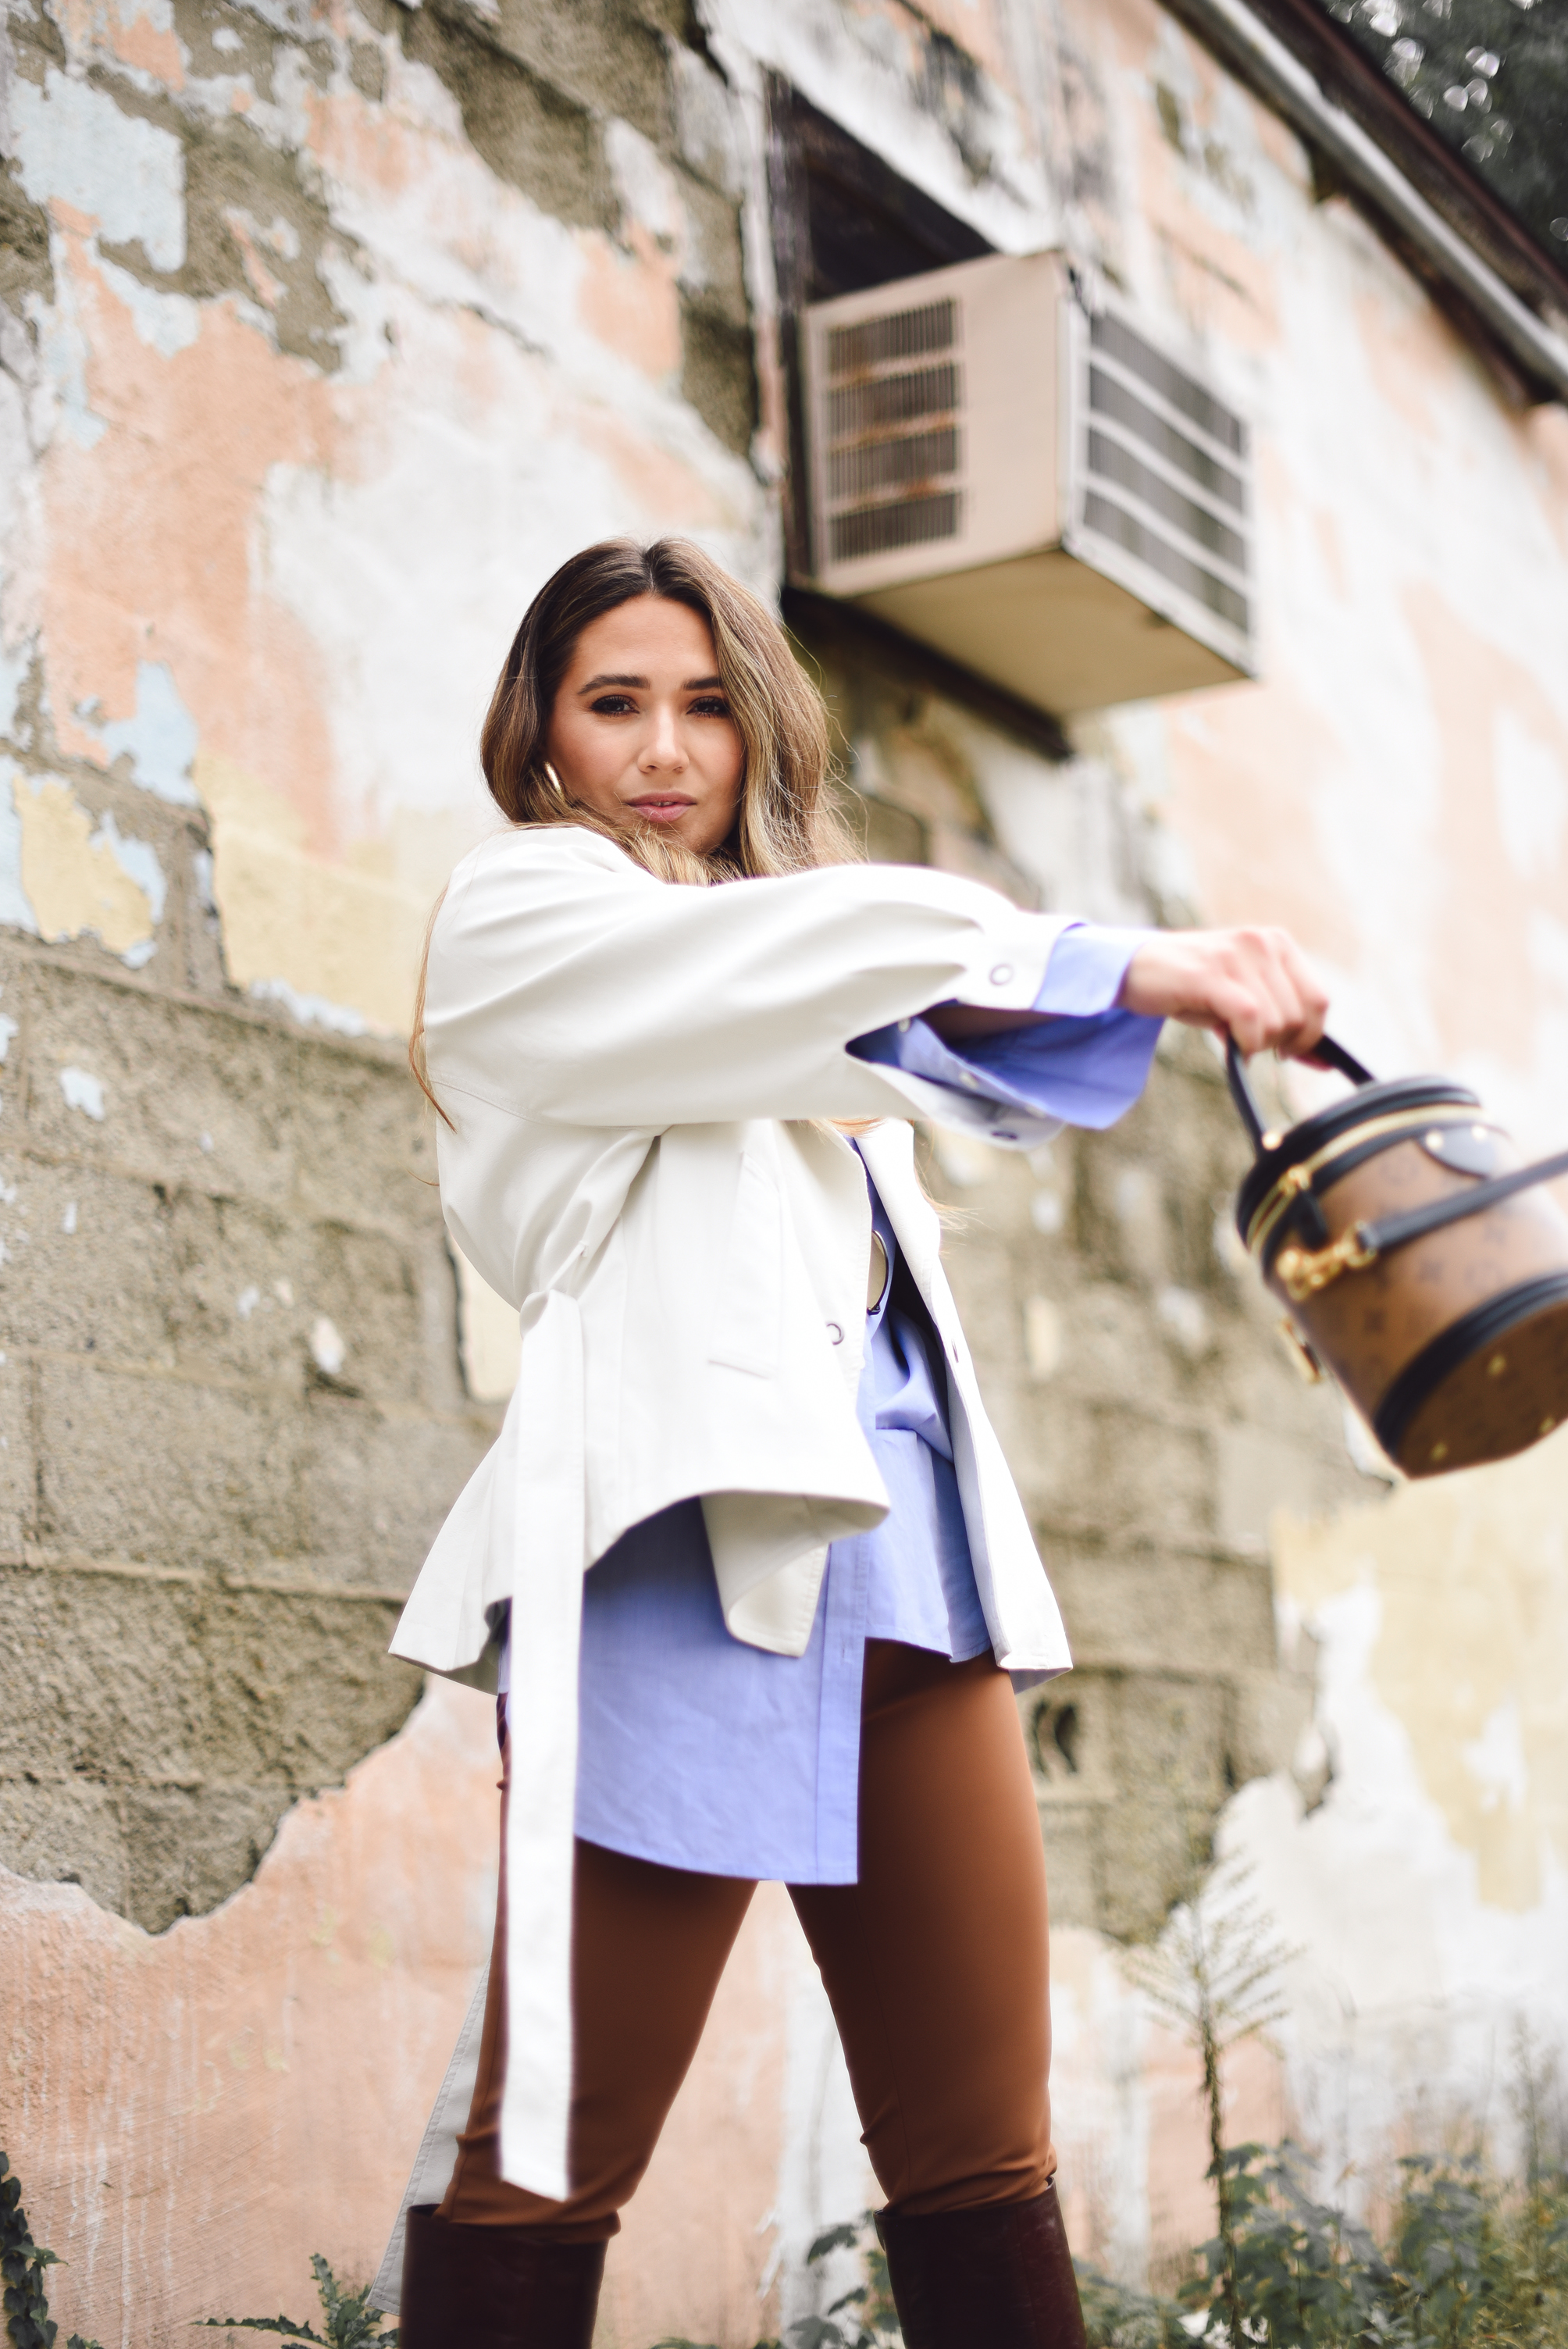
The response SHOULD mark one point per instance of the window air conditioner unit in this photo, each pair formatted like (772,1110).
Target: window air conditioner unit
(1041,494)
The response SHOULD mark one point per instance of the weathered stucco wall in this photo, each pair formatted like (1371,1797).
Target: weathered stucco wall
(328,331)
(1395,789)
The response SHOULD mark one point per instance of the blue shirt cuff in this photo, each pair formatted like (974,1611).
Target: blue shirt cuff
(1084,1063)
(1086,969)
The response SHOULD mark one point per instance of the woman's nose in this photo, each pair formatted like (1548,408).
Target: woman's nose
(664,747)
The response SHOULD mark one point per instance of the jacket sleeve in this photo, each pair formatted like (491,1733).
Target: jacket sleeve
(565,983)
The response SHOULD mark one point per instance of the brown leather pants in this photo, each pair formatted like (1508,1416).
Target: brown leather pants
(935,1964)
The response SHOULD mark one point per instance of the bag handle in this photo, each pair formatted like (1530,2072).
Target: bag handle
(1326,1054)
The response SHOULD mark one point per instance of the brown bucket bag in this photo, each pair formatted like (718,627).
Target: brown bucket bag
(1419,1260)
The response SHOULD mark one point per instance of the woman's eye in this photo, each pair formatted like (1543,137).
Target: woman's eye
(712,705)
(613,705)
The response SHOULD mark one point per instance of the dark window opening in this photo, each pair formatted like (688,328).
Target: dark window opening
(843,221)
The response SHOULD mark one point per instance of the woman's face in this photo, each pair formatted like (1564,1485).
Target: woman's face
(641,725)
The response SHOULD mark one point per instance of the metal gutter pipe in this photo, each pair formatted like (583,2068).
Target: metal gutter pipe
(1229,27)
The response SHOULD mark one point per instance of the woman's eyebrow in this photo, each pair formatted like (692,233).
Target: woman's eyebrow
(692,683)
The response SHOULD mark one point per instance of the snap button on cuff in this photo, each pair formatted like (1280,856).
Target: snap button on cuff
(835,1333)
(1002,974)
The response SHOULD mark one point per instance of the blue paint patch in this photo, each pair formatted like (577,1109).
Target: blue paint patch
(315,1010)
(13,907)
(162,738)
(138,862)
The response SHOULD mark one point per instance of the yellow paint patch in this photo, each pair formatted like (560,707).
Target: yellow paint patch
(1472,1653)
(349,929)
(73,880)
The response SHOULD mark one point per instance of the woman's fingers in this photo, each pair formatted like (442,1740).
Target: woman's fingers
(1253,984)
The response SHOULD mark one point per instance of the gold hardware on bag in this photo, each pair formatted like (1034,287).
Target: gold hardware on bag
(1304,1173)
(1305,1271)
(1301,1353)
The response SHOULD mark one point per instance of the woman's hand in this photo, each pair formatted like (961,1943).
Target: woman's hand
(1251,984)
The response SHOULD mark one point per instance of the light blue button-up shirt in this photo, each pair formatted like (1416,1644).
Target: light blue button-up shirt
(700,1752)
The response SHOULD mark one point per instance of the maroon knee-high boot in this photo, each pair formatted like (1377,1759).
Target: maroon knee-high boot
(997,2278)
(495,2287)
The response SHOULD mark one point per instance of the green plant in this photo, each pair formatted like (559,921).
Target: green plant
(1217,1973)
(1115,2316)
(862,2318)
(1466,2262)
(29,2325)
(351,2322)
(1297,2271)
(874,2322)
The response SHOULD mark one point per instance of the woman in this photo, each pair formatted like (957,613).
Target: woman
(746,1560)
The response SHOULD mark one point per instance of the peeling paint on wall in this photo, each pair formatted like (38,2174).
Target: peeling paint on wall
(77,879)
(1463,1587)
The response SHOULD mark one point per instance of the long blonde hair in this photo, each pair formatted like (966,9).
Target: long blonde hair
(786,821)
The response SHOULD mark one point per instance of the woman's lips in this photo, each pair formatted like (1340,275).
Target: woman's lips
(663,811)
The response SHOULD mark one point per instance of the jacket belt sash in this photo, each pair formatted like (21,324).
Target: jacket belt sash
(549,1546)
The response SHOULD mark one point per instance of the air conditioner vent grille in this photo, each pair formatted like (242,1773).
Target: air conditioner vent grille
(1111,398)
(1117,340)
(1163,466)
(892,452)
(1126,531)
(1112,462)
(879,342)
(877,465)
(871,406)
(881,529)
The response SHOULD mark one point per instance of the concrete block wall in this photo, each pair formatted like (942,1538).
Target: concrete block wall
(1156,1423)
(234,1417)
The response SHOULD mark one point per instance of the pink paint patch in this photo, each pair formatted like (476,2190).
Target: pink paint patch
(629,301)
(668,491)
(253,2083)
(138,44)
(145,546)
(1250,764)
(1486,972)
